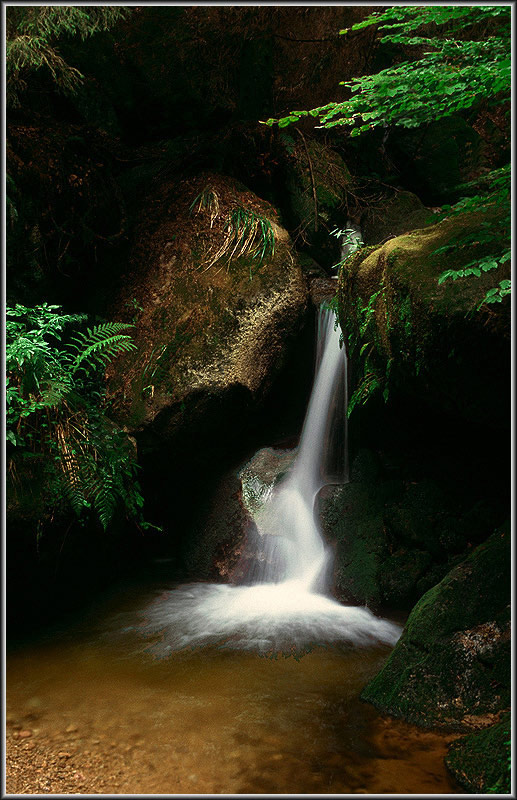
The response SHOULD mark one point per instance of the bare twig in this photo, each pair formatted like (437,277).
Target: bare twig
(314,194)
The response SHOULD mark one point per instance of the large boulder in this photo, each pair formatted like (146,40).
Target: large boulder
(216,297)
(409,335)
(451,666)
(400,212)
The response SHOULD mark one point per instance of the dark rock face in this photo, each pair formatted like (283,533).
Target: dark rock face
(399,214)
(396,537)
(218,548)
(215,546)
(434,162)
(480,762)
(451,667)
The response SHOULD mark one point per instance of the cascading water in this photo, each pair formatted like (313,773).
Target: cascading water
(289,515)
(286,606)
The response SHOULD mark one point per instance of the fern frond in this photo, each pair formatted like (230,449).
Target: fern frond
(105,502)
(100,344)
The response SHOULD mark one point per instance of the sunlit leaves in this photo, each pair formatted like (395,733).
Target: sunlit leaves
(451,75)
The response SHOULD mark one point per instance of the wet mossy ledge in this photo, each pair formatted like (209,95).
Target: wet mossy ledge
(409,334)
(451,666)
(216,297)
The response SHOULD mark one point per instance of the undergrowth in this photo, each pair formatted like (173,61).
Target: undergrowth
(56,416)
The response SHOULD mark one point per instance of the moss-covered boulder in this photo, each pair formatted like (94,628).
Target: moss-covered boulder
(215,296)
(434,342)
(352,518)
(396,537)
(480,762)
(451,666)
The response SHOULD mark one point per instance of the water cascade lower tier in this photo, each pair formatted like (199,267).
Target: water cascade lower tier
(288,606)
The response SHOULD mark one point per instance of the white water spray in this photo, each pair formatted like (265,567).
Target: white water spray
(290,512)
(286,608)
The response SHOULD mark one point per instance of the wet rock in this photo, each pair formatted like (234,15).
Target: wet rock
(322,289)
(451,666)
(217,546)
(261,474)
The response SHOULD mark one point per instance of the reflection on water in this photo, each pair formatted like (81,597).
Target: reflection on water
(107,716)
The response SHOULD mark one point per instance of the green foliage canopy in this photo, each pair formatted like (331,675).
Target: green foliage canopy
(449,74)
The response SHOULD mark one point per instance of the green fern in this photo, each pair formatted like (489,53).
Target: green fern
(245,234)
(55,410)
(101,344)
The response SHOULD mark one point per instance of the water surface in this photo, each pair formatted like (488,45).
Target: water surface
(107,715)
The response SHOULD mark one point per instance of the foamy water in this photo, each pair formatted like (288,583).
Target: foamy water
(269,618)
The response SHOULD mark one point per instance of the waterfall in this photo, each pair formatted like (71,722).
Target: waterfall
(289,514)
(286,604)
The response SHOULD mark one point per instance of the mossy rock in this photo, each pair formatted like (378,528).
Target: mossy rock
(207,325)
(400,573)
(388,534)
(451,665)
(410,335)
(352,518)
(480,762)
(414,521)
(315,169)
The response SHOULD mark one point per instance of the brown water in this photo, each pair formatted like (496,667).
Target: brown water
(91,711)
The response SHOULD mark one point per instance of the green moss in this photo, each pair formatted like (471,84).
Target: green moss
(353,516)
(480,762)
(452,660)
(402,326)
(400,573)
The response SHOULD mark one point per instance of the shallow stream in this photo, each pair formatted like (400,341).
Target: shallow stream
(93,710)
